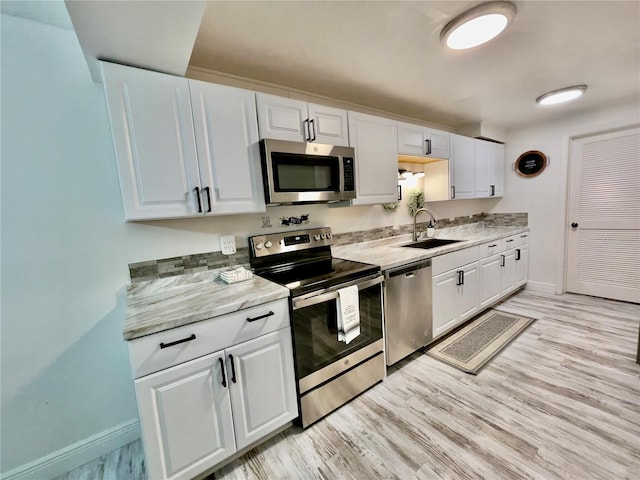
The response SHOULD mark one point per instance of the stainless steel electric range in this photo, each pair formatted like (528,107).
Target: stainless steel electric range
(329,371)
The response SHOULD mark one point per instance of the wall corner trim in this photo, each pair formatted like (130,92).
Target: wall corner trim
(77,454)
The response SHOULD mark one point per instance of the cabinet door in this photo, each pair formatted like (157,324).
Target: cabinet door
(412,139)
(445,302)
(375,141)
(282,118)
(522,265)
(439,143)
(185,418)
(508,280)
(497,167)
(462,166)
(468,292)
(226,133)
(263,390)
(328,125)
(152,130)
(484,169)
(490,274)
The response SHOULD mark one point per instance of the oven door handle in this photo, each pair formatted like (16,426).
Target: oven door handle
(307,301)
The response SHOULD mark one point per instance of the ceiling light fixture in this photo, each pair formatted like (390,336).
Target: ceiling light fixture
(477,25)
(561,95)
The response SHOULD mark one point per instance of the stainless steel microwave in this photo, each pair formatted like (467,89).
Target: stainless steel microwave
(296,172)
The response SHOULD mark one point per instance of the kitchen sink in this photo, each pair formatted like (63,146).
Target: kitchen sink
(431,243)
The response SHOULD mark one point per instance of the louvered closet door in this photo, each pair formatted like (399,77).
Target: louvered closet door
(603,257)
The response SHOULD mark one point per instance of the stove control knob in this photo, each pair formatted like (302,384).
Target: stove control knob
(316,237)
(328,235)
(268,244)
(259,246)
(323,236)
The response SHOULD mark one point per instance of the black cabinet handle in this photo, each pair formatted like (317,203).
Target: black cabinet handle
(493,190)
(494,245)
(460,277)
(502,260)
(428,142)
(206,189)
(524,236)
(574,225)
(178,342)
(233,369)
(197,189)
(224,377)
(249,319)
(313,126)
(517,254)
(510,240)
(453,192)
(306,127)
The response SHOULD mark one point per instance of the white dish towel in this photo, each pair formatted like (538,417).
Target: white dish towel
(348,314)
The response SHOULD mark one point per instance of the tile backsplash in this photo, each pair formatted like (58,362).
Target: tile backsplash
(199,262)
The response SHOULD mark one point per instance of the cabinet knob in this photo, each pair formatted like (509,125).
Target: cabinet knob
(574,225)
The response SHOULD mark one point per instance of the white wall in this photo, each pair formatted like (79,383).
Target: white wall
(65,250)
(545,197)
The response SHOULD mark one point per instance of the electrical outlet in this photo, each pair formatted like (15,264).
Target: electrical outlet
(228,244)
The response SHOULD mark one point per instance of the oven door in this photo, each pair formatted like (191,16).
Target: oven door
(319,354)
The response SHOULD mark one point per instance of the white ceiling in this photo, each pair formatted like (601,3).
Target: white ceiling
(387,55)
(383,54)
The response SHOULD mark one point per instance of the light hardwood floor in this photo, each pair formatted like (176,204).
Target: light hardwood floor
(561,402)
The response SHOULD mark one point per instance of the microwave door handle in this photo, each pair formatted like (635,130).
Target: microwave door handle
(331,295)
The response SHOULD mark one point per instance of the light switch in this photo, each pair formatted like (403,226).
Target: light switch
(228,244)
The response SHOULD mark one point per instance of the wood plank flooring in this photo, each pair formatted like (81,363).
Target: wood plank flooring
(561,402)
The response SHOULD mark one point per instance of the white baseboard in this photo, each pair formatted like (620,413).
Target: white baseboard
(541,287)
(76,455)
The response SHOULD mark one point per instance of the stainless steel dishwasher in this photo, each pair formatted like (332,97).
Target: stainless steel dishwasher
(408,312)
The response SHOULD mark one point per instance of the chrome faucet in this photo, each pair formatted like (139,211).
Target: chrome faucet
(415,216)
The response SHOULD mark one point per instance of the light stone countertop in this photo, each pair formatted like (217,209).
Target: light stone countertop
(171,302)
(388,253)
(158,305)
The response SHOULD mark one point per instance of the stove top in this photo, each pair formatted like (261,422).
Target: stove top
(301,260)
(313,276)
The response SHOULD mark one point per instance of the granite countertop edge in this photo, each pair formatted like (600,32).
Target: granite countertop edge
(158,305)
(388,253)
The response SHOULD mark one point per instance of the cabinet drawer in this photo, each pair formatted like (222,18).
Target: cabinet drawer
(488,249)
(172,347)
(514,241)
(453,260)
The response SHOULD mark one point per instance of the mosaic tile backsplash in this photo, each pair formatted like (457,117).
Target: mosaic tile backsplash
(199,262)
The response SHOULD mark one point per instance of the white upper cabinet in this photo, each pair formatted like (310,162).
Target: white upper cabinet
(489,162)
(462,167)
(162,173)
(375,141)
(297,121)
(226,132)
(422,141)
(152,129)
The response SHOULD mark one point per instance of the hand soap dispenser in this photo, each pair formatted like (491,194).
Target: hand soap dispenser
(431,230)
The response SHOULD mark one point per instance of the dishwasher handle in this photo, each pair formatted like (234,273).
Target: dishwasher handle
(408,271)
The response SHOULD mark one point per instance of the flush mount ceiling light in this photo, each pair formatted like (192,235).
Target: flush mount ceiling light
(561,95)
(477,25)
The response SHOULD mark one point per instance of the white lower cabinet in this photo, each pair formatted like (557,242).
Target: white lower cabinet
(198,413)
(262,397)
(185,418)
(490,288)
(455,297)
(470,280)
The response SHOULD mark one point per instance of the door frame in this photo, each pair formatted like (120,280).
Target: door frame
(563,228)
